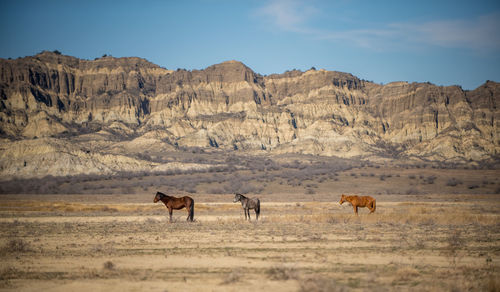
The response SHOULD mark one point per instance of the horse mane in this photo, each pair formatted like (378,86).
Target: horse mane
(162,195)
(241,196)
(350,197)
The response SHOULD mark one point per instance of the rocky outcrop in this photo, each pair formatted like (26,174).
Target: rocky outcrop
(135,103)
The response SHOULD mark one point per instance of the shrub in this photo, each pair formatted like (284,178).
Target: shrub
(216,190)
(16,245)
(318,284)
(109,265)
(413,191)
(233,277)
(430,179)
(310,192)
(452,182)
(281,273)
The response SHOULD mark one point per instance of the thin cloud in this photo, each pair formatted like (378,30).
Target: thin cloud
(288,15)
(481,33)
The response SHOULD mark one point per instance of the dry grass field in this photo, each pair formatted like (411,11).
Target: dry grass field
(432,242)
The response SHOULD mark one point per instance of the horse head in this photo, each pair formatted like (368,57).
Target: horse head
(158,197)
(342,199)
(237,197)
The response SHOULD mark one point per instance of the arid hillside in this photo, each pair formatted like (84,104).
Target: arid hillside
(62,115)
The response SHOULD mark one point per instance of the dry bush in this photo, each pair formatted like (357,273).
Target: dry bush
(232,277)
(406,274)
(7,274)
(452,182)
(320,284)
(102,249)
(281,273)
(455,243)
(310,192)
(413,191)
(430,179)
(109,265)
(15,245)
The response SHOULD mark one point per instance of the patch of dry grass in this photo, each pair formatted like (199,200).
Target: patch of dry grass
(15,245)
(109,265)
(68,207)
(281,273)
(402,246)
(409,215)
(320,284)
(232,277)
(405,274)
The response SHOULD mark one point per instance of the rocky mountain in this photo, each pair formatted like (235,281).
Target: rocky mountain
(63,115)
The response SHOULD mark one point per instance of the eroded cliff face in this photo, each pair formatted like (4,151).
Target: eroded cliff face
(50,93)
(228,106)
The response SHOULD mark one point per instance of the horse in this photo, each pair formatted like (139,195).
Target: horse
(248,204)
(357,201)
(173,203)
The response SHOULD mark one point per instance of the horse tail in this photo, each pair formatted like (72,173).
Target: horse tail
(191,210)
(374,205)
(257,209)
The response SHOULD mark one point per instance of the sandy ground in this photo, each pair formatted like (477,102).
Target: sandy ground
(82,243)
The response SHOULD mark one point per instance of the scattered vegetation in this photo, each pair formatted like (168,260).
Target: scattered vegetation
(15,245)
(109,265)
(248,174)
(281,273)
(232,277)
(456,241)
(229,174)
(320,284)
(453,182)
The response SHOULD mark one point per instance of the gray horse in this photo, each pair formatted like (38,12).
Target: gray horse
(248,204)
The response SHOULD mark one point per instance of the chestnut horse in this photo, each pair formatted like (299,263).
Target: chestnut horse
(173,203)
(357,201)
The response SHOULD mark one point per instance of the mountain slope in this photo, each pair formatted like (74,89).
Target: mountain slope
(228,106)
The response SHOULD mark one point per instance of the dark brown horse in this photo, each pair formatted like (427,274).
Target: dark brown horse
(248,204)
(173,203)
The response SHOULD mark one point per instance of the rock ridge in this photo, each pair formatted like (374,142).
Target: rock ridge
(230,107)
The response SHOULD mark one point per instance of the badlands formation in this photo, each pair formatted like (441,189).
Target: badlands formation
(62,115)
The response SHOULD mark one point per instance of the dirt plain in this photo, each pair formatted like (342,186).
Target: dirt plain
(422,241)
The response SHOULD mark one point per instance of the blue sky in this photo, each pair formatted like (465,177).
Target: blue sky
(444,42)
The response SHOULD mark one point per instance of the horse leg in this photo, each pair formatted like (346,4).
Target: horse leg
(355,209)
(170,213)
(256,215)
(248,212)
(245,211)
(189,215)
